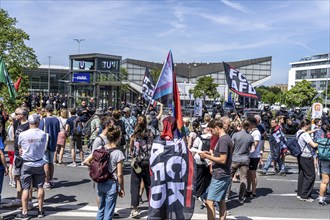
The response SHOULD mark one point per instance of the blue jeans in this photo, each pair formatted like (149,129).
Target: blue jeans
(281,166)
(2,174)
(107,192)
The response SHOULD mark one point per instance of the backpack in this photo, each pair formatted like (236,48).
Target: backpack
(206,143)
(323,149)
(77,127)
(99,167)
(87,129)
(294,147)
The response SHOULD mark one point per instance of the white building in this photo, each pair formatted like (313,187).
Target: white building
(315,69)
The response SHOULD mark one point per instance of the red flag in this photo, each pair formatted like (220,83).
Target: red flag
(177,107)
(18,83)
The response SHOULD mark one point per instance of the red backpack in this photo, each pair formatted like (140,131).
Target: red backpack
(99,167)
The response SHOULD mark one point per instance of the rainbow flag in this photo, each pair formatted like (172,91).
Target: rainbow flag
(167,92)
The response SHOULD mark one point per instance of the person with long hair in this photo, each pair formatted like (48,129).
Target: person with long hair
(61,138)
(306,177)
(140,148)
(107,191)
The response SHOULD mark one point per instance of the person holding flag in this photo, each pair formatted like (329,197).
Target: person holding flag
(171,190)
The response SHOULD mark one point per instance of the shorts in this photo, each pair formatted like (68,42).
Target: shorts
(253,165)
(16,170)
(75,141)
(61,138)
(49,156)
(217,189)
(11,155)
(325,166)
(34,175)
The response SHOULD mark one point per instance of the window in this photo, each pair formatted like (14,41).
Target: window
(319,73)
(301,74)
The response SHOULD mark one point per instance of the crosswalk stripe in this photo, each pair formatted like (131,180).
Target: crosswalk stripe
(286,180)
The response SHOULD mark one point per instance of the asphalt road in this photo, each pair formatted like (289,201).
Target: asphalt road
(73,197)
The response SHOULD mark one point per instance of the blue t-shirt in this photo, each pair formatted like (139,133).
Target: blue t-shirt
(2,148)
(70,123)
(52,128)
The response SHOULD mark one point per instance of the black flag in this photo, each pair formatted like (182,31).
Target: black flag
(237,83)
(148,87)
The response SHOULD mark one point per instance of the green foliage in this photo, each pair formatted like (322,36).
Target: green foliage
(17,56)
(301,94)
(270,95)
(205,87)
(123,75)
(155,73)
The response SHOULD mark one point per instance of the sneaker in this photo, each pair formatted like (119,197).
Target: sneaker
(116,214)
(282,173)
(250,194)
(47,186)
(74,164)
(262,173)
(134,213)
(323,203)
(307,200)
(41,214)
(14,203)
(52,184)
(298,197)
(22,216)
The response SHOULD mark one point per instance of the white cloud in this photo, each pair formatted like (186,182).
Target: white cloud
(235,5)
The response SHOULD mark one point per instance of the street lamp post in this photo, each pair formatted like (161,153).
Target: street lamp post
(49,57)
(78,41)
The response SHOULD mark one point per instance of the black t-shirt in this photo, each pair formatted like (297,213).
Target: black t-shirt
(224,145)
(20,129)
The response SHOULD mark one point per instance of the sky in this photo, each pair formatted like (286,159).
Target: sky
(195,30)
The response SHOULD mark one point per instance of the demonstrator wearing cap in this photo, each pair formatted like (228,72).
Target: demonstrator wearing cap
(33,143)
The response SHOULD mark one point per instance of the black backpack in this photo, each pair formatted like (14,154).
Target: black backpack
(206,142)
(294,147)
(77,127)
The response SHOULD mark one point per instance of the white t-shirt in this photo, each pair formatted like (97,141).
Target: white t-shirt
(303,141)
(198,144)
(256,137)
(34,143)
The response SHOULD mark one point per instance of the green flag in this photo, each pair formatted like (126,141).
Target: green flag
(5,78)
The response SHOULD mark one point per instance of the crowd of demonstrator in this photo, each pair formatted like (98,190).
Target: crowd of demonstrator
(226,149)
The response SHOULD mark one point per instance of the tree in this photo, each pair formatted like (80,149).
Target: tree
(269,95)
(205,87)
(155,75)
(301,94)
(17,56)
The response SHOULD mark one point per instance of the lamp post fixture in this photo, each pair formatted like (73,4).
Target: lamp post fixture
(78,41)
(49,57)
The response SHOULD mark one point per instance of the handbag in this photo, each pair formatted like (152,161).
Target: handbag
(19,162)
(135,166)
(323,149)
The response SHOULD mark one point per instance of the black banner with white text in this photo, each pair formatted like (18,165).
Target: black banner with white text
(237,83)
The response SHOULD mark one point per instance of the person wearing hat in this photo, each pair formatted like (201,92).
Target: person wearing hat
(33,144)
(130,121)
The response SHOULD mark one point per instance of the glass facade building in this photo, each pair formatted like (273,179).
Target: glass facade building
(256,71)
(314,69)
